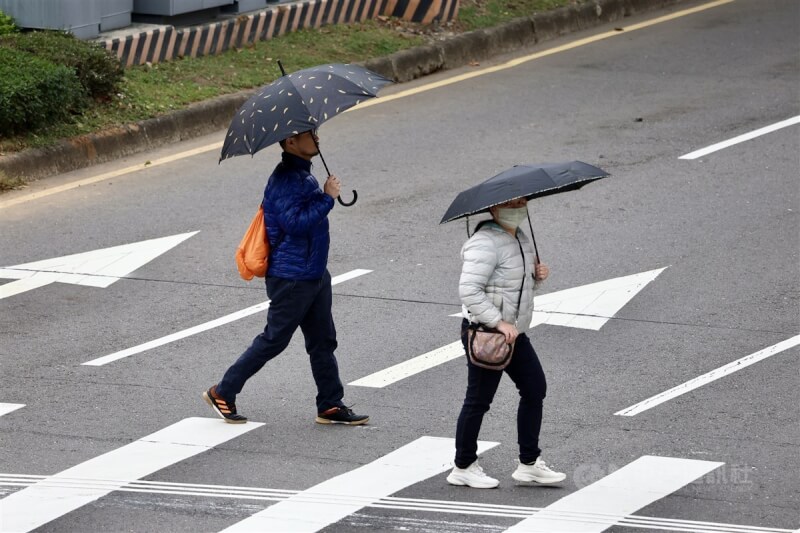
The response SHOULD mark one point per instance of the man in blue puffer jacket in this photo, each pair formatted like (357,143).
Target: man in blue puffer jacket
(298,285)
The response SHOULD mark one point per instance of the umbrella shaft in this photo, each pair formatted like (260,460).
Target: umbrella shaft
(319,153)
(535,249)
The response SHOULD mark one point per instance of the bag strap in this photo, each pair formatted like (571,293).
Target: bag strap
(282,234)
(519,300)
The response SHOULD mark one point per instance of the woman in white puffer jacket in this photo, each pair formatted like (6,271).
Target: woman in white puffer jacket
(498,263)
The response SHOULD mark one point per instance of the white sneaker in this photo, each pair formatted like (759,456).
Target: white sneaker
(538,472)
(472,476)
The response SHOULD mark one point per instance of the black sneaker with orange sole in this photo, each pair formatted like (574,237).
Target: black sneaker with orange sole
(226,410)
(341,415)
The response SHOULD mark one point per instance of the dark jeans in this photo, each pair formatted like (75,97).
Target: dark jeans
(293,304)
(527,374)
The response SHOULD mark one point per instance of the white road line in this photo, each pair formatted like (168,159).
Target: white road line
(334,499)
(586,307)
(699,381)
(412,366)
(6,408)
(37,505)
(28,284)
(263,306)
(100,361)
(742,138)
(636,485)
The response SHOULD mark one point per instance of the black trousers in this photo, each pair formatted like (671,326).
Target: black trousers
(527,374)
(293,304)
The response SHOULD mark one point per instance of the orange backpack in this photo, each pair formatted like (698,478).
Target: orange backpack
(252,255)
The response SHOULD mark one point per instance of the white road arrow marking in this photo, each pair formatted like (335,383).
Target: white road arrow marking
(232,317)
(334,499)
(6,408)
(46,500)
(587,307)
(606,502)
(98,268)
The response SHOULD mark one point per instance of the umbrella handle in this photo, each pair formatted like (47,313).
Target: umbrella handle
(351,202)
(319,153)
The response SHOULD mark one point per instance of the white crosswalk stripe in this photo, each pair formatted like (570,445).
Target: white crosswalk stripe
(603,503)
(334,499)
(45,501)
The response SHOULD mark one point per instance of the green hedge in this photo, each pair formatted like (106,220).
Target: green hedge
(7,25)
(35,92)
(97,69)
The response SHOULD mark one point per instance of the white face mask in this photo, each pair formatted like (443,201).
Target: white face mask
(511,217)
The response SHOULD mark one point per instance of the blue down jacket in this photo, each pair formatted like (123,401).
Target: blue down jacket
(296,215)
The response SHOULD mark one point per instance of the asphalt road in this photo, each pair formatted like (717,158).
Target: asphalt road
(723,227)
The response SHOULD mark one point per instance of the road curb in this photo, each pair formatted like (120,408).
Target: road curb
(215,114)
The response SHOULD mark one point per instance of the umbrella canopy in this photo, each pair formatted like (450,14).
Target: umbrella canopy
(522,181)
(298,102)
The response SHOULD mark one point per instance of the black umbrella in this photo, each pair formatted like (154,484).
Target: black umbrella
(522,181)
(298,102)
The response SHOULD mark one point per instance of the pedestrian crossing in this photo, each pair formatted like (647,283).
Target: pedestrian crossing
(612,500)
(434,508)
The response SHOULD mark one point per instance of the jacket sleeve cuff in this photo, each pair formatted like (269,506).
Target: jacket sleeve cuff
(493,323)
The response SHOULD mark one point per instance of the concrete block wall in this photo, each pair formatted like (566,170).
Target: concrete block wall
(166,43)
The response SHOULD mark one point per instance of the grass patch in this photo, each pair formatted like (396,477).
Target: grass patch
(148,91)
(476,14)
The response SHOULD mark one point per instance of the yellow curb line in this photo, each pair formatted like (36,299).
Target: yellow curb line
(402,94)
(109,175)
(520,60)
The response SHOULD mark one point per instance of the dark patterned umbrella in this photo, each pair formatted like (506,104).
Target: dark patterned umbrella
(298,102)
(522,181)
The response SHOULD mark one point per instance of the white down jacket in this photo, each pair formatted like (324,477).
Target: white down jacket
(492,274)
